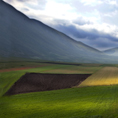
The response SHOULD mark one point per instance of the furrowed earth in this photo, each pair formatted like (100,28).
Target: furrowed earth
(35,82)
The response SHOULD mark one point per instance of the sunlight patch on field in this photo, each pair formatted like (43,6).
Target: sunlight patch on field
(105,76)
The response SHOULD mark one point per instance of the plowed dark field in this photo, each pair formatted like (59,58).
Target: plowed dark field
(34,82)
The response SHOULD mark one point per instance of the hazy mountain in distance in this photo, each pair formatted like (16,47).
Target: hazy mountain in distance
(112,52)
(21,37)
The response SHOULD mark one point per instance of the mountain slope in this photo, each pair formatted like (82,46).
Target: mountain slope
(22,37)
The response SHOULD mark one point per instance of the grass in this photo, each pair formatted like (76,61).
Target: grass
(85,102)
(71,69)
(6,65)
(88,102)
(7,79)
(105,76)
(20,64)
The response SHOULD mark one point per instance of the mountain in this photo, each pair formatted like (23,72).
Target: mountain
(112,52)
(21,37)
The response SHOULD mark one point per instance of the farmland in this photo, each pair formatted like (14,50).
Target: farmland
(9,77)
(81,102)
(105,76)
(36,82)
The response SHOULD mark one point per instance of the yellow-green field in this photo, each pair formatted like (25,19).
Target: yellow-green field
(105,76)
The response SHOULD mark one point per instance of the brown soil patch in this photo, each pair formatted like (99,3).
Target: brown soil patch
(15,69)
(35,82)
(20,68)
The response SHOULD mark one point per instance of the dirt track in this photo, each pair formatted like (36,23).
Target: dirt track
(34,82)
(20,68)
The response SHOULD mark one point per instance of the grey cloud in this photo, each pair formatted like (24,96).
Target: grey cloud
(102,44)
(92,38)
(10,1)
(81,21)
(78,33)
(25,9)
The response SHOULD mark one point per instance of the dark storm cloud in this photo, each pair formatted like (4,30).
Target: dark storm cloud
(79,33)
(92,37)
(103,43)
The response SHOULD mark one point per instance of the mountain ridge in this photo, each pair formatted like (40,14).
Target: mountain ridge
(22,37)
(34,20)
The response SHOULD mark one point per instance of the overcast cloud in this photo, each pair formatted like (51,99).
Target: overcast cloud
(93,22)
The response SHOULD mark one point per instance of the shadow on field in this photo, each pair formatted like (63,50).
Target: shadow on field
(34,82)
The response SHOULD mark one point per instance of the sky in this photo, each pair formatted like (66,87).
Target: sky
(93,22)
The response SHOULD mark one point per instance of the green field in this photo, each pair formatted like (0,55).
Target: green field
(85,102)
(88,102)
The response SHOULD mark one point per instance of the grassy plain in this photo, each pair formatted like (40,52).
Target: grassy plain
(88,102)
(105,76)
(85,102)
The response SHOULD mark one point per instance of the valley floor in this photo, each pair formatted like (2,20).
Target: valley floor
(81,102)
